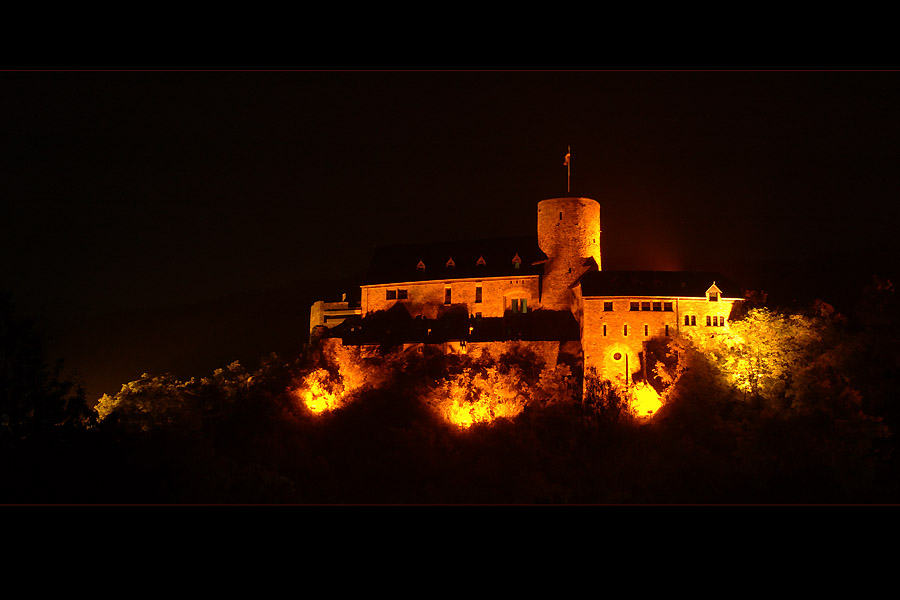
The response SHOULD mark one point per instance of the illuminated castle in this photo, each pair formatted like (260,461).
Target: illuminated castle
(546,292)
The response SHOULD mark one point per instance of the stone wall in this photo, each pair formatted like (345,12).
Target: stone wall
(569,234)
(426,298)
(610,353)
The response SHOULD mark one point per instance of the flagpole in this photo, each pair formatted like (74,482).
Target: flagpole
(568,164)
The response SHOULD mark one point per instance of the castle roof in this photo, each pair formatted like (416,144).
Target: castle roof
(455,260)
(656,283)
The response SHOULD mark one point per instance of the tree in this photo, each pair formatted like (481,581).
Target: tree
(34,397)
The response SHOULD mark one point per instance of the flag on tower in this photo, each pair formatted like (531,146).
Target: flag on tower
(565,164)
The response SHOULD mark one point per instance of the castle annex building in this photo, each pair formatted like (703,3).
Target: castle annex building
(549,290)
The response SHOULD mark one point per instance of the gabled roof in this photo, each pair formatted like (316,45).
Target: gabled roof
(398,264)
(656,283)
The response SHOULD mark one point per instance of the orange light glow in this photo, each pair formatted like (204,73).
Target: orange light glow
(319,394)
(481,397)
(645,401)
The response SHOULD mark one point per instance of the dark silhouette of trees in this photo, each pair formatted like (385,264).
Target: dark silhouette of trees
(794,407)
(35,397)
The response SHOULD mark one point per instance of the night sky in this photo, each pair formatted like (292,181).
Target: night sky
(147,191)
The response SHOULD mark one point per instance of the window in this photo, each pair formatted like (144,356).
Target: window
(450,263)
(447,296)
(715,321)
(420,266)
(478,294)
(694,320)
(667,306)
(625,330)
(667,331)
(657,306)
(721,321)
(714,296)
(646,330)
(480,262)
(645,306)
(607,306)
(519,305)
(402,295)
(687,320)
(635,306)
(517,262)
(478,316)
(604,330)
(708,320)
(392,294)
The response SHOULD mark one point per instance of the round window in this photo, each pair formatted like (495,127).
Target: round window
(617,356)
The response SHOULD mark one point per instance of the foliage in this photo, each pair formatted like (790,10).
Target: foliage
(35,398)
(604,401)
(781,407)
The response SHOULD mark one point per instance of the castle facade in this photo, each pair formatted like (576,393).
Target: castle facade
(548,291)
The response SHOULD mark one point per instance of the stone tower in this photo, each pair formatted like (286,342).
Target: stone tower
(569,234)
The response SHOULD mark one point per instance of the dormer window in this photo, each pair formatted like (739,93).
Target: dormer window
(450,263)
(480,262)
(713,293)
(420,266)
(517,262)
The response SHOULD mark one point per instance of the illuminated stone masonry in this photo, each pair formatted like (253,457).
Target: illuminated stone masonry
(549,288)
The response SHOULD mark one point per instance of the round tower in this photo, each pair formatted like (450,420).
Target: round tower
(569,234)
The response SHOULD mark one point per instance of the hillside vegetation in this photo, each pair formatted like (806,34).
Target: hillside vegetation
(790,407)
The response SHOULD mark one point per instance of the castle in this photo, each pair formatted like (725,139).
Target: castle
(548,292)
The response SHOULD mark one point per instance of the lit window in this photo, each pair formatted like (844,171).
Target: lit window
(401,295)
(607,306)
(635,306)
(667,306)
(478,294)
(392,294)
(517,262)
(657,306)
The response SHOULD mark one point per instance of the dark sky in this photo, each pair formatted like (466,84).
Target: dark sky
(149,189)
